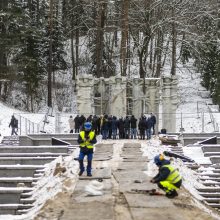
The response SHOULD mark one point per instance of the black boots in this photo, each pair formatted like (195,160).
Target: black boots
(171,194)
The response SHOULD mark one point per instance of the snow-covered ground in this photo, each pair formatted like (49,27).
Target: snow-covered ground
(191,106)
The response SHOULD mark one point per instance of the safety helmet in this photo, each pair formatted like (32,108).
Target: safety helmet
(158,159)
(88,126)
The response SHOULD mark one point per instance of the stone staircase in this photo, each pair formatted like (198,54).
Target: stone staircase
(20,169)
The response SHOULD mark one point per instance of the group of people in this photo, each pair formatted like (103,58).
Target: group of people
(111,127)
(168,178)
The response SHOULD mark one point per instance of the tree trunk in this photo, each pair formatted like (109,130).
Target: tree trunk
(100,37)
(50,69)
(174,36)
(124,37)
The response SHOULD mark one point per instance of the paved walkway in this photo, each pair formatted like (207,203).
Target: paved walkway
(122,170)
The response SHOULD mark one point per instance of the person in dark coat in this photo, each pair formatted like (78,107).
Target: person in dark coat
(148,128)
(105,127)
(77,124)
(168,177)
(114,126)
(127,125)
(142,127)
(121,128)
(133,127)
(95,121)
(110,127)
(86,140)
(14,125)
(82,120)
(153,122)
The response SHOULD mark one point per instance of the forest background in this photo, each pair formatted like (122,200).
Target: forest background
(45,44)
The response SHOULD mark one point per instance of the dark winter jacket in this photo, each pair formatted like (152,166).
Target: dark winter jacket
(133,122)
(163,172)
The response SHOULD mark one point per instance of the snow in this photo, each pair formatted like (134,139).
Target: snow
(192,106)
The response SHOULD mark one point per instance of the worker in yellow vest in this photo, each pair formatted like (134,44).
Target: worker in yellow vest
(168,177)
(86,140)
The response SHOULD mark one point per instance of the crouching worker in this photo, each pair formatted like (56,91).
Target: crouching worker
(86,140)
(168,177)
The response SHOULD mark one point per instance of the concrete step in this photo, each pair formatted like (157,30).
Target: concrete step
(210,194)
(34,149)
(214,170)
(209,154)
(213,205)
(46,154)
(27,201)
(38,140)
(26,160)
(12,209)
(212,200)
(213,175)
(12,194)
(209,189)
(19,170)
(210,178)
(211,183)
(215,159)
(15,181)
(211,148)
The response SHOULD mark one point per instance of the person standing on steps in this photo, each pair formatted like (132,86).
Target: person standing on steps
(86,140)
(168,178)
(153,122)
(71,123)
(14,125)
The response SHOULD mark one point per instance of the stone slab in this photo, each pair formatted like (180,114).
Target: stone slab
(141,166)
(129,176)
(155,214)
(98,173)
(147,201)
(134,159)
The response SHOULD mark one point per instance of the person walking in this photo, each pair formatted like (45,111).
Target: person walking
(14,125)
(168,177)
(71,123)
(86,140)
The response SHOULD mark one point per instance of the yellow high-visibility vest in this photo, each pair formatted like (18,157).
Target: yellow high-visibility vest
(174,175)
(87,143)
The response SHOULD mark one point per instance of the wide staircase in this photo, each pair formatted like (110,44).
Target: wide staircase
(22,166)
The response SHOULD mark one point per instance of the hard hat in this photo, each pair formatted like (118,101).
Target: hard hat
(88,126)
(158,159)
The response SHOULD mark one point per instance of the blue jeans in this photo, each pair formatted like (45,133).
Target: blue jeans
(114,133)
(133,133)
(89,160)
(148,131)
(105,134)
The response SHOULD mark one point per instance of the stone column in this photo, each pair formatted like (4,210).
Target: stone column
(118,100)
(169,103)
(154,98)
(85,105)
(137,97)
